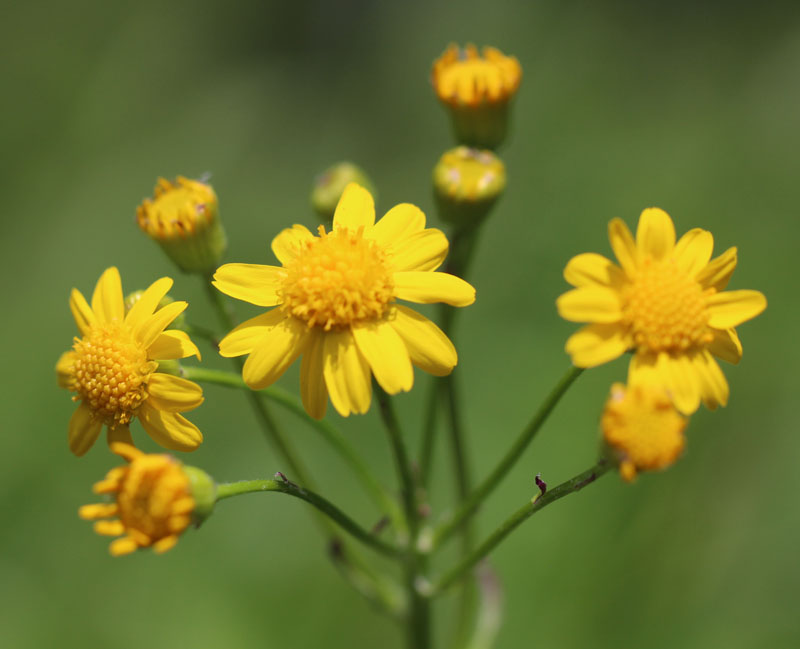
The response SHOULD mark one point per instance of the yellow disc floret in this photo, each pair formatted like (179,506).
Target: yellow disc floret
(110,371)
(153,502)
(177,209)
(643,428)
(338,279)
(666,309)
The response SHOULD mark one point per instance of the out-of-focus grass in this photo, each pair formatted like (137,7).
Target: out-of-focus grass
(692,108)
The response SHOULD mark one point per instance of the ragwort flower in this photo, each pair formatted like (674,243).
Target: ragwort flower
(113,367)
(335,297)
(642,428)
(153,502)
(664,301)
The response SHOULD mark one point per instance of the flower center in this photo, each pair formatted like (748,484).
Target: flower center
(148,493)
(643,426)
(111,371)
(339,279)
(178,209)
(666,309)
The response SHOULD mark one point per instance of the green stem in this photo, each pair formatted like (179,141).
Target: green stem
(418,622)
(322,504)
(429,432)
(511,457)
(522,514)
(385,502)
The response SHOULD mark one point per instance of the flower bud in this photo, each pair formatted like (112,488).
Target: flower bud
(477,91)
(329,187)
(182,217)
(467,183)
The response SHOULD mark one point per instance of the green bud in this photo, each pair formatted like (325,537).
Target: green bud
(204,492)
(467,183)
(330,184)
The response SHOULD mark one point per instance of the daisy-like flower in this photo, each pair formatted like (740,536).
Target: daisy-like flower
(642,428)
(153,502)
(113,366)
(665,302)
(335,305)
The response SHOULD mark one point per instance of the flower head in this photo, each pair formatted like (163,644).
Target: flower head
(182,217)
(664,301)
(335,297)
(153,502)
(642,428)
(467,183)
(113,368)
(477,90)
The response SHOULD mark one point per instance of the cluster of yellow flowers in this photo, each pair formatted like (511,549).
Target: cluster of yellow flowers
(334,302)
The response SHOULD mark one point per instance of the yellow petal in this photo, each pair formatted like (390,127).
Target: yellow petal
(276,351)
(713,385)
(248,335)
(655,236)
(169,429)
(693,251)
(423,251)
(84,427)
(732,308)
(312,381)
(172,344)
(81,311)
(428,346)
(347,374)
(355,209)
(173,393)
(164,544)
(590,268)
(718,272)
(643,369)
(99,510)
(681,378)
(64,369)
(290,242)
(623,245)
(119,434)
(252,283)
(426,288)
(120,547)
(596,344)
(152,327)
(146,305)
(109,528)
(387,355)
(590,304)
(726,345)
(399,223)
(107,301)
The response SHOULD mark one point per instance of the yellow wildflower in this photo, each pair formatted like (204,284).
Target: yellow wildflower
(664,301)
(153,502)
(182,217)
(113,367)
(477,91)
(336,295)
(642,428)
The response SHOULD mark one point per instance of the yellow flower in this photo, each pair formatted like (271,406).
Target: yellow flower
(665,301)
(462,77)
(113,368)
(335,295)
(642,428)
(182,217)
(477,91)
(153,502)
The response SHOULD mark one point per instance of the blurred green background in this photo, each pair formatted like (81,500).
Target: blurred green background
(693,107)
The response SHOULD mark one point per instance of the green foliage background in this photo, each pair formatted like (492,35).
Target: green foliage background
(693,107)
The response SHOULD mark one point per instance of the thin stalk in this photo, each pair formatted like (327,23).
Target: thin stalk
(571,486)
(385,502)
(319,502)
(418,621)
(511,457)
(429,433)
